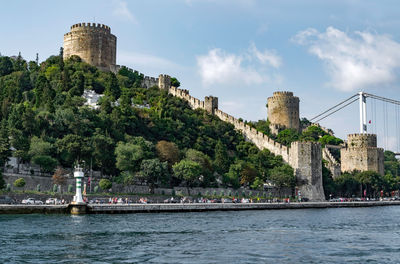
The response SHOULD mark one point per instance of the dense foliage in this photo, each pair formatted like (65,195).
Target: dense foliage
(136,135)
(367,183)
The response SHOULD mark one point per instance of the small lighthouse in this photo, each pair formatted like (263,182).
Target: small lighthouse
(78,206)
(78,175)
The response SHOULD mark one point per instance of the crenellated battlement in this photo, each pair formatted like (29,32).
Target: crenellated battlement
(282,93)
(361,140)
(90,25)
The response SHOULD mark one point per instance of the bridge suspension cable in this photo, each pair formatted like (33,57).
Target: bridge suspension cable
(329,111)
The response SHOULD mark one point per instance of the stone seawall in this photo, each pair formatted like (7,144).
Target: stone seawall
(179,208)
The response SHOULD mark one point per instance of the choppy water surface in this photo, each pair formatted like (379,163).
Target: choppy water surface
(361,235)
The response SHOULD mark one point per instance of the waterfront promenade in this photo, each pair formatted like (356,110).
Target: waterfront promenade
(184,207)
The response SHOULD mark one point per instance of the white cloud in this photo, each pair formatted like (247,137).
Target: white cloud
(266,57)
(121,10)
(219,67)
(354,62)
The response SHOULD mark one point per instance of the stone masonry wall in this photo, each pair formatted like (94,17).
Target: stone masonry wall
(361,153)
(93,43)
(333,166)
(306,160)
(304,157)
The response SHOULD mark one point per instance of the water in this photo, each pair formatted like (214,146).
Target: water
(342,235)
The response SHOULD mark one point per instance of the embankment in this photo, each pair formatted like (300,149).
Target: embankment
(189,207)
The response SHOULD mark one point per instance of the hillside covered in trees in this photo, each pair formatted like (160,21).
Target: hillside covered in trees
(136,134)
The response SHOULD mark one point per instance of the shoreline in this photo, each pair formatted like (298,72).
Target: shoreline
(185,207)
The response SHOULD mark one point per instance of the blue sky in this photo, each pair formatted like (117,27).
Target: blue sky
(241,51)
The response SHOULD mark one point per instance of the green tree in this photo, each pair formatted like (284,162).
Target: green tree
(330,140)
(205,163)
(287,136)
(105,184)
(371,181)
(347,185)
(20,182)
(175,82)
(128,156)
(187,171)
(283,177)
(221,161)
(313,133)
(112,88)
(153,171)
(46,163)
(6,66)
(232,177)
(5,151)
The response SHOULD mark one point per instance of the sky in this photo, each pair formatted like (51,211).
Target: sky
(240,50)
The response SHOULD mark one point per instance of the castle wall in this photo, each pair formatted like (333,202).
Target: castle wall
(93,43)
(333,166)
(147,81)
(306,160)
(361,153)
(283,111)
(304,157)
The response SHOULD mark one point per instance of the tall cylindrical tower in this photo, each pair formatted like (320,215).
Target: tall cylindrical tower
(93,43)
(283,111)
(78,175)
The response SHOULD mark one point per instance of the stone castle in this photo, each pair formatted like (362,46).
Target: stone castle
(283,111)
(97,46)
(93,43)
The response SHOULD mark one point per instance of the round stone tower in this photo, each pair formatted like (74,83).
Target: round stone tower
(93,43)
(283,111)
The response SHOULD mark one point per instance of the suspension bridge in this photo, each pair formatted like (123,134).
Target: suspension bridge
(382,117)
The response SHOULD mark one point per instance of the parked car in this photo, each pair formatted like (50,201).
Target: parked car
(6,200)
(171,200)
(53,201)
(225,200)
(31,201)
(28,201)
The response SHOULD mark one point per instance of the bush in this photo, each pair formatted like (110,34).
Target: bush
(70,188)
(222,193)
(105,184)
(38,187)
(243,193)
(214,193)
(19,183)
(8,187)
(96,188)
(55,188)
